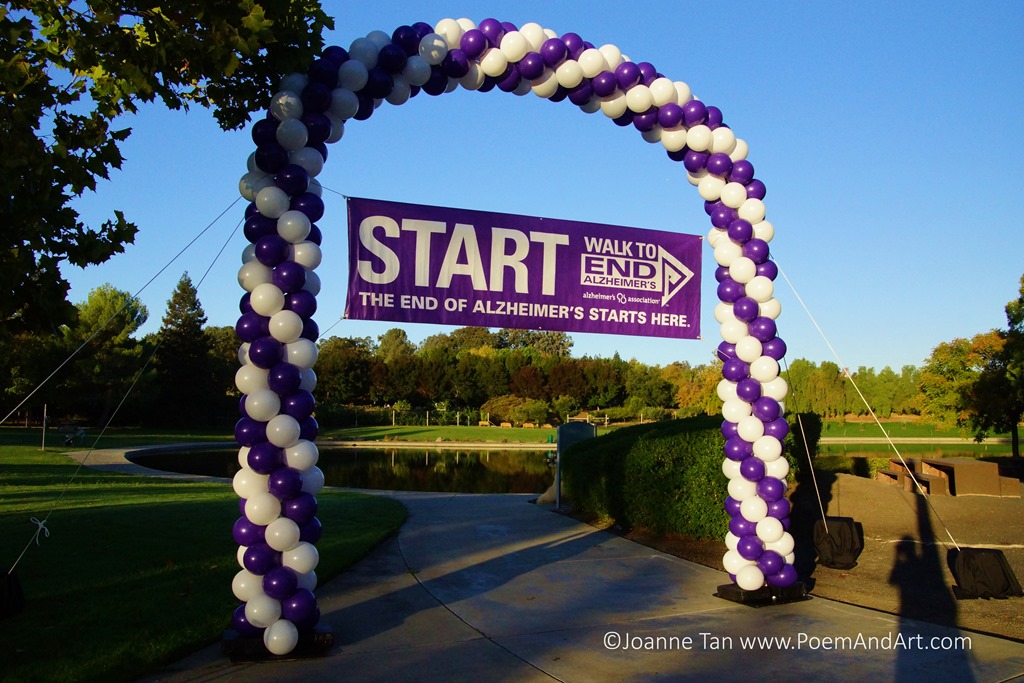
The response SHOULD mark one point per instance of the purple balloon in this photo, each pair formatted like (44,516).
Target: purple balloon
(241,625)
(473,43)
(742,172)
(741,526)
(746,309)
(737,449)
(766,409)
(493,30)
(627,74)
(752,468)
(756,189)
(730,291)
(776,348)
(406,38)
(721,273)
(455,64)
(258,226)
(509,26)
(719,164)
(574,43)
(714,117)
(770,562)
(309,204)
(604,83)
(748,389)
(271,250)
(694,113)
(531,66)
(299,405)
(260,558)
(316,97)
(339,55)
(646,121)
(771,489)
(762,329)
(302,302)
(323,71)
(311,531)
(318,128)
(309,429)
(301,609)
(246,533)
(437,83)
(264,131)
(787,576)
(280,582)
(289,276)
(284,378)
(285,482)
(265,352)
(315,236)
(722,216)
(740,231)
(778,428)
(624,120)
(750,547)
(510,80)
(293,179)
(725,351)
(779,509)
(768,269)
(756,250)
(249,432)
(392,58)
(735,369)
(670,115)
(729,429)
(310,330)
(271,158)
(732,506)
(264,457)
(301,508)
(423,29)
(554,52)
(695,162)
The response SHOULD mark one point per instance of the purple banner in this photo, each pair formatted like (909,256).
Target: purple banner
(426,264)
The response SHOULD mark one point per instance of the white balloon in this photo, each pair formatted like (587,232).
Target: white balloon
(252,182)
(732,561)
(240,555)
(315,188)
(353,75)
(752,210)
(294,226)
(306,254)
(534,33)
(768,448)
(695,178)
(474,78)
(308,380)
(281,637)
(450,30)
(294,82)
(733,330)
(740,151)
(731,540)
(301,353)
(267,299)
(379,38)
(710,186)
(525,87)
(663,91)
(433,49)
(493,62)
(683,94)
(307,580)
(764,230)
(248,253)
(673,139)
(770,309)
(344,103)
(714,235)
(545,85)
(286,105)
(778,468)
(283,431)
(770,530)
(286,326)
(416,71)
(613,106)
(243,457)
(247,483)
(764,369)
(272,201)
(726,390)
(592,62)
(639,99)
(313,480)
(246,585)
(262,508)
(743,270)
(569,74)
(776,388)
(726,251)
(312,283)
(283,534)
(723,140)
(262,611)
(750,578)
(784,546)
(760,289)
(250,378)
(699,138)
(365,51)
(612,56)
(514,45)
(253,274)
(399,95)
(741,489)
(292,134)
(466,24)
(749,349)
(302,456)
(309,159)
(731,469)
(724,312)
(734,195)
(790,559)
(243,353)
(303,558)
(754,509)
(735,409)
(750,429)
(653,135)
(262,405)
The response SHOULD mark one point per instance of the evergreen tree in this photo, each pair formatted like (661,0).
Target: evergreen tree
(182,361)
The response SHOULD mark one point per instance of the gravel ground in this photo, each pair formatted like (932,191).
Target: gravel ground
(903,568)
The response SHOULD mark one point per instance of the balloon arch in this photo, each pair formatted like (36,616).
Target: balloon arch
(279,479)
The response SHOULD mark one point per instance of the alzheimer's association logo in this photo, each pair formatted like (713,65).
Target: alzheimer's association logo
(637,266)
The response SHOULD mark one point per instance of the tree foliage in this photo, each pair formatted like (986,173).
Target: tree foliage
(70,70)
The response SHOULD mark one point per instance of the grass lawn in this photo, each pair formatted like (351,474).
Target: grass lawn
(472,434)
(136,571)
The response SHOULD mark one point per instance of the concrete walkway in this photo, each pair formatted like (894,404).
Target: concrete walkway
(492,588)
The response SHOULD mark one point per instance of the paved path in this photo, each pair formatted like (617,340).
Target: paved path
(492,588)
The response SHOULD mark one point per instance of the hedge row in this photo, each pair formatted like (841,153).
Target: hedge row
(665,477)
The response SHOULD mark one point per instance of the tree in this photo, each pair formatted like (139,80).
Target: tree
(343,370)
(70,69)
(183,360)
(549,343)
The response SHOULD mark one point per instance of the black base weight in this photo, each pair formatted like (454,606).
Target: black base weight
(241,648)
(764,596)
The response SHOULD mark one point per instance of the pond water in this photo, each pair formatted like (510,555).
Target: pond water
(393,469)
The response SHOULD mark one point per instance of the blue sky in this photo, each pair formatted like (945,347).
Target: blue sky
(888,135)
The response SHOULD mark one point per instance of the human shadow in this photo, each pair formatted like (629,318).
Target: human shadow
(917,573)
(810,499)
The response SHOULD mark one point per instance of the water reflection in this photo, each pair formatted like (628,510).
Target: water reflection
(394,469)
